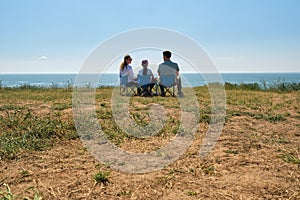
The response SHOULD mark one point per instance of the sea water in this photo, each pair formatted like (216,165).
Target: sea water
(65,80)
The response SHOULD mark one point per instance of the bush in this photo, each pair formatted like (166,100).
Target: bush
(275,87)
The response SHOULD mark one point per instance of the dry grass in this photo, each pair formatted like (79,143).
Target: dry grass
(256,157)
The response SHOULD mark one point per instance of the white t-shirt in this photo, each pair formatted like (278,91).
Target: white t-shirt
(149,72)
(127,71)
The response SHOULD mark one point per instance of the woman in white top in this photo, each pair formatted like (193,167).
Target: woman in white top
(126,70)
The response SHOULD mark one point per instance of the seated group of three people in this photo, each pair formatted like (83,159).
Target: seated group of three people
(166,68)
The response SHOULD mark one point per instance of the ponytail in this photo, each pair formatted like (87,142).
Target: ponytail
(124,63)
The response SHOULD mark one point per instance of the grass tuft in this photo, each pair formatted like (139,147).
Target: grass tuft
(208,169)
(289,158)
(102,177)
(6,194)
(124,193)
(191,193)
(229,151)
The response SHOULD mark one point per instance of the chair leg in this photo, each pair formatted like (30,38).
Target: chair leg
(174,91)
(122,90)
(127,91)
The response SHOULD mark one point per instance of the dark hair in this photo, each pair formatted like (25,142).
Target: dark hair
(124,63)
(168,54)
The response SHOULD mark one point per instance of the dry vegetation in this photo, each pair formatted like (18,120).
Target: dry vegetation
(257,155)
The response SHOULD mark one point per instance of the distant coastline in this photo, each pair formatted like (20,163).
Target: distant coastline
(112,79)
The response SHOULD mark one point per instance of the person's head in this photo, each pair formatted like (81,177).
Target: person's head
(127,60)
(145,63)
(167,55)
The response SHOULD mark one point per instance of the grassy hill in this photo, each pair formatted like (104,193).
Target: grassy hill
(257,155)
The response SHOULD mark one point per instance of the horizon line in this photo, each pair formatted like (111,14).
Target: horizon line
(187,72)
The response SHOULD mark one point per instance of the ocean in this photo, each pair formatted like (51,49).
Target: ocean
(64,80)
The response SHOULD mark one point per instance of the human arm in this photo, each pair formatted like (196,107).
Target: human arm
(177,70)
(152,77)
(149,72)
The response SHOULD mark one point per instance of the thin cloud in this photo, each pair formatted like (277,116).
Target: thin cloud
(43,58)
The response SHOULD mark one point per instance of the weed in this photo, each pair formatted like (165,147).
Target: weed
(243,86)
(54,85)
(6,194)
(11,107)
(102,177)
(267,117)
(124,193)
(276,86)
(104,114)
(36,196)
(281,86)
(274,118)
(173,171)
(191,193)
(28,86)
(61,106)
(289,158)
(208,169)
(229,151)
(282,141)
(69,84)
(205,117)
(98,165)
(25,173)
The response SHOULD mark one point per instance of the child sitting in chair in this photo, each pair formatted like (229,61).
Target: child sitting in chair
(146,85)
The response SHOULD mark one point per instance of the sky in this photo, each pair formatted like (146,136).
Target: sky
(53,36)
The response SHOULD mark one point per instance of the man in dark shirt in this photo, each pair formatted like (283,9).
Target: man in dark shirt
(169,68)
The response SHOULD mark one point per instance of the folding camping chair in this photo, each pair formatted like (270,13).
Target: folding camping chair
(127,89)
(168,83)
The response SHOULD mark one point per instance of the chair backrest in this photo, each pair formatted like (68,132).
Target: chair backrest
(168,80)
(143,79)
(124,80)
(166,69)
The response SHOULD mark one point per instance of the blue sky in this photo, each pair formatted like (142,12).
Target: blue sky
(239,35)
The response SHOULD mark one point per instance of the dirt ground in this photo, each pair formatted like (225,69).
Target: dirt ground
(250,161)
